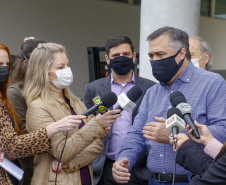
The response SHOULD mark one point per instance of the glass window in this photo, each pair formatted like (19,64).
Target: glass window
(220,9)
(205,7)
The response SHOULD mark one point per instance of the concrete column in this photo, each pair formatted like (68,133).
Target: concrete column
(182,14)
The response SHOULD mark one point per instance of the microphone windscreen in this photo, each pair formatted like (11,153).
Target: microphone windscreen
(134,93)
(177,97)
(109,99)
(173,111)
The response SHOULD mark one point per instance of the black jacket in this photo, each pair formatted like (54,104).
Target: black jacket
(207,171)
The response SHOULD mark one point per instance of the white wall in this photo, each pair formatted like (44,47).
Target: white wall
(76,24)
(214,31)
(79,24)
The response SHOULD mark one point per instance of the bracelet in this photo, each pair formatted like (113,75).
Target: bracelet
(183,142)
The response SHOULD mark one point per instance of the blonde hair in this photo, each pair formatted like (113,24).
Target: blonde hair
(37,77)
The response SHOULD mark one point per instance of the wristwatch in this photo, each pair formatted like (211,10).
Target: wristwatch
(171,135)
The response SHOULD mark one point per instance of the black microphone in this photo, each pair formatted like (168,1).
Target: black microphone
(107,100)
(178,100)
(126,101)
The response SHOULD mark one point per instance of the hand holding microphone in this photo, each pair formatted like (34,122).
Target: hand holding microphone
(205,134)
(108,118)
(178,100)
(174,122)
(180,138)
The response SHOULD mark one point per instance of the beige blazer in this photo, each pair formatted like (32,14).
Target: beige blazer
(82,146)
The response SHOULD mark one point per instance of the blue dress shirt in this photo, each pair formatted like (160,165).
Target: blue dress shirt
(204,91)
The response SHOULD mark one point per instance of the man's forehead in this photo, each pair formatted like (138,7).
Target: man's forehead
(125,47)
(194,42)
(194,45)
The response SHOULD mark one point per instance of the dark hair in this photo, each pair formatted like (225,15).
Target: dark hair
(177,38)
(26,49)
(116,40)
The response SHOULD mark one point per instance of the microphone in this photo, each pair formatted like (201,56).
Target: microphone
(178,100)
(174,122)
(107,100)
(126,101)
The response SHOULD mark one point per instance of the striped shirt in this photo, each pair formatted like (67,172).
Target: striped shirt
(204,91)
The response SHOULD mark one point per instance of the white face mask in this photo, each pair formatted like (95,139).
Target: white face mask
(195,62)
(64,78)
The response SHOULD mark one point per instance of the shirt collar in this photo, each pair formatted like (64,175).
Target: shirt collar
(187,75)
(132,81)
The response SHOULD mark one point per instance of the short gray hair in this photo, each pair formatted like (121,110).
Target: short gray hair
(177,38)
(205,46)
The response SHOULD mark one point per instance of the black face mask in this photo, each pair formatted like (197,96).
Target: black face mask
(121,65)
(165,69)
(4,75)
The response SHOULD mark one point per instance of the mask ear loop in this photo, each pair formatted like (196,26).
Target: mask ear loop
(200,58)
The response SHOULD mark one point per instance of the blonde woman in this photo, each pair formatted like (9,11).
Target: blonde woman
(49,99)
(13,144)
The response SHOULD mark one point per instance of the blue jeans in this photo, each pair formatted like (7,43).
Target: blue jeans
(153,181)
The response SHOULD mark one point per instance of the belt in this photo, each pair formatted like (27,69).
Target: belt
(169,177)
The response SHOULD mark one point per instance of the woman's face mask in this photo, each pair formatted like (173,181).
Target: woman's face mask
(64,78)
(4,75)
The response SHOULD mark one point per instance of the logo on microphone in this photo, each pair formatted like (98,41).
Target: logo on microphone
(97,100)
(102,109)
(170,120)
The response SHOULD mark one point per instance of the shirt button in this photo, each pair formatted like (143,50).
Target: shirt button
(188,80)
(123,132)
(164,172)
(161,155)
(123,117)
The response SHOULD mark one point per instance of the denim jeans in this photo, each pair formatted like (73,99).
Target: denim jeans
(153,181)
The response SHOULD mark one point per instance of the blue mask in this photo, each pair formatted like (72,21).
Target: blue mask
(165,69)
(121,65)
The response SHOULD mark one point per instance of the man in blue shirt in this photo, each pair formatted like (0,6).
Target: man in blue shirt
(205,92)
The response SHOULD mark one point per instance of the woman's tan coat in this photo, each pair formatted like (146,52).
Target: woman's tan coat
(82,146)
